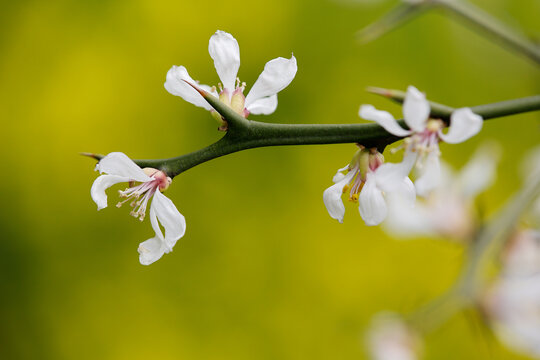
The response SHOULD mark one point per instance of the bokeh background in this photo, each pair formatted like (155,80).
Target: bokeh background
(263,272)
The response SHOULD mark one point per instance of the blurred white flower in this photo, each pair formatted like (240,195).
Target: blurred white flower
(448,210)
(424,134)
(370,182)
(530,169)
(513,302)
(224,50)
(143,185)
(391,339)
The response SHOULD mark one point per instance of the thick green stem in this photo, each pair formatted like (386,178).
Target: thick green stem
(244,134)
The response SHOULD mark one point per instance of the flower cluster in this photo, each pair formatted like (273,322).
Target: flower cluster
(373,184)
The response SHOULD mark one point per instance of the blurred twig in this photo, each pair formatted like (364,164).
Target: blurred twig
(483,250)
(471,15)
(492,27)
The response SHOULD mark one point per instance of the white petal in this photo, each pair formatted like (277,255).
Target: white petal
(339,174)
(168,215)
(332,197)
(162,211)
(406,192)
(391,176)
(415,109)
(430,175)
(225,52)
(372,204)
(383,118)
(464,124)
(263,106)
(101,184)
(479,173)
(117,163)
(151,250)
(406,220)
(176,85)
(277,74)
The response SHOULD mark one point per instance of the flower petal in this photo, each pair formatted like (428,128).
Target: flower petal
(168,215)
(277,74)
(101,184)
(372,204)
(406,220)
(383,118)
(175,84)
(151,250)
(480,172)
(225,52)
(390,176)
(430,175)
(117,163)
(339,174)
(263,106)
(415,109)
(332,197)
(464,124)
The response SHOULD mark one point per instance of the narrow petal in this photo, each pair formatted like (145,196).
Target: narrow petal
(332,197)
(464,124)
(372,204)
(339,174)
(117,163)
(430,175)
(175,84)
(480,172)
(101,184)
(263,106)
(225,52)
(151,250)
(415,109)
(391,176)
(277,74)
(168,215)
(383,118)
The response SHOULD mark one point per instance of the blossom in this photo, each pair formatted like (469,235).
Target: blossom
(513,302)
(369,182)
(390,338)
(143,185)
(424,134)
(448,210)
(224,50)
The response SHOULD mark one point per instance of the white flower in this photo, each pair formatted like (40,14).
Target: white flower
(370,183)
(513,302)
(424,134)
(513,306)
(224,50)
(448,210)
(151,182)
(391,339)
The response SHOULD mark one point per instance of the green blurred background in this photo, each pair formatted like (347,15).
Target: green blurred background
(263,272)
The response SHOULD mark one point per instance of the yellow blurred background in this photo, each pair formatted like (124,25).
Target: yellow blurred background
(263,272)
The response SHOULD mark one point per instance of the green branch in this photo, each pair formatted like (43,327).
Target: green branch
(245,134)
